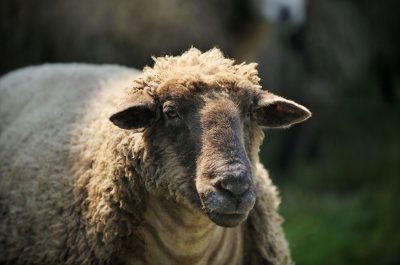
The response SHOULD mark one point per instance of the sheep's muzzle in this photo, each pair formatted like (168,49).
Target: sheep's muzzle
(229,196)
(224,179)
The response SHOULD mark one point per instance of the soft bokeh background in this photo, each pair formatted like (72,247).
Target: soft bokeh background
(339,173)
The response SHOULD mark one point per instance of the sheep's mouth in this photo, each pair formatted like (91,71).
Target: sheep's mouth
(226,210)
(227,220)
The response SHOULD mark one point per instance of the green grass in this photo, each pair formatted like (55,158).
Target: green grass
(342,229)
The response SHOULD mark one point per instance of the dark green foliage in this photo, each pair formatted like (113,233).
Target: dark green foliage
(342,205)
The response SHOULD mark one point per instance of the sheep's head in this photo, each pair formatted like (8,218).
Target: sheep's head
(202,117)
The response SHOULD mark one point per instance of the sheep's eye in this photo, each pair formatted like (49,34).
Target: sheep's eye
(170,111)
(247,111)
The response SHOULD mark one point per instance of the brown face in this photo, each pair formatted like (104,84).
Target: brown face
(204,143)
(223,169)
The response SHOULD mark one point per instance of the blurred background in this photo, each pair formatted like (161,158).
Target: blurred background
(338,173)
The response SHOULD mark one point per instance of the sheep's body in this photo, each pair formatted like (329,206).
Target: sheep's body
(41,109)
(71,191)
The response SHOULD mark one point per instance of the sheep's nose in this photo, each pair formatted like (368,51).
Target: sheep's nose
(236,184)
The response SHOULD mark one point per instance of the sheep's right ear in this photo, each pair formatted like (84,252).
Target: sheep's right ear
(135,113)
(277,112)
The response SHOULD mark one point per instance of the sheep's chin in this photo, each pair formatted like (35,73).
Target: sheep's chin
(227,220)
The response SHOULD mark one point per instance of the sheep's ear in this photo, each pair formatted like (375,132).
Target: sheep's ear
(136,113)
(277,112)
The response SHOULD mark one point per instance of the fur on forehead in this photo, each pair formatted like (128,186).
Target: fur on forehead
(196,70)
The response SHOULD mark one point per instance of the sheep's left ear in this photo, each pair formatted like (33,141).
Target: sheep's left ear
(276,112)
(137,112)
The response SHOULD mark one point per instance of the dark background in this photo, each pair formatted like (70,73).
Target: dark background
(339,173)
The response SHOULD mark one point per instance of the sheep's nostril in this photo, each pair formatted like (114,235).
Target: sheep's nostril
(234,186)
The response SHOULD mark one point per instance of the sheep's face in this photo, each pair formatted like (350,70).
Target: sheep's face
(203,141)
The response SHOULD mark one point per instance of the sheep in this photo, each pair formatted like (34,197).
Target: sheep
(95,170)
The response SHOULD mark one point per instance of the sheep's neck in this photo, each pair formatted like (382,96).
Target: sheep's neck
(174,234)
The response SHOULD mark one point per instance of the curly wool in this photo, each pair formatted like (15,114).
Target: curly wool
(76,192)
(195,65)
